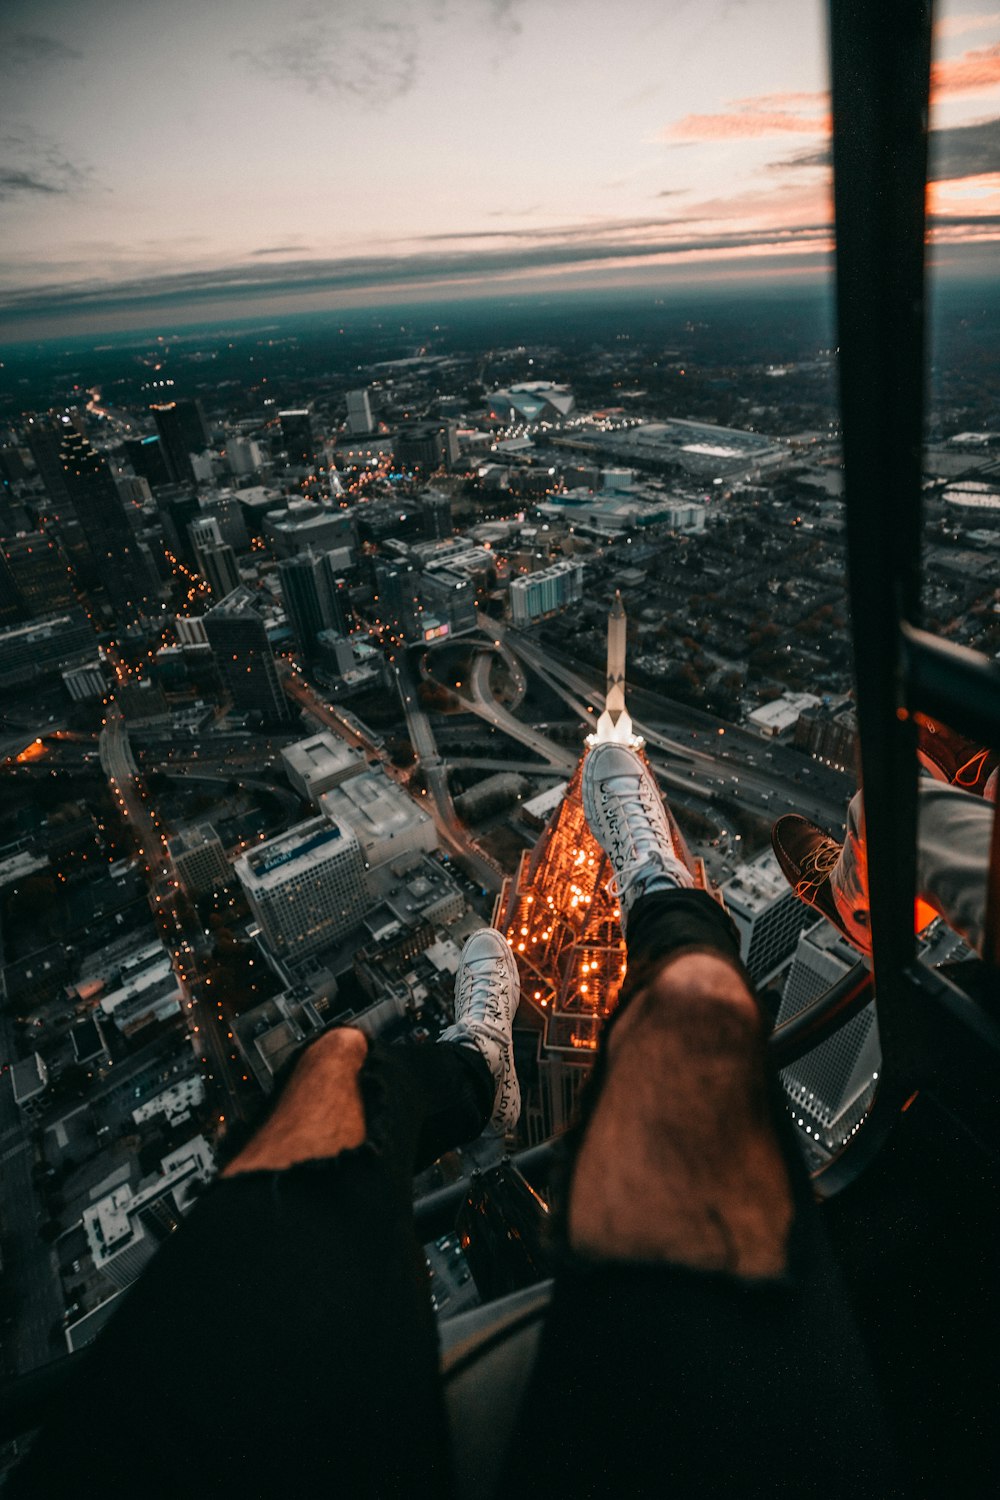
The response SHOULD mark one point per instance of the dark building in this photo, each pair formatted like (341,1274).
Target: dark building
(181,425)
(30,651)
(218,564)
(38,571)
(297,437)
(147,459)
(311,598)
(426,445)
(123,565)
(243,656)
(178,507)
(44,436)
(436,511)
(397,603)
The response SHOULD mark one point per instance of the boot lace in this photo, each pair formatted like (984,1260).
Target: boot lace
(816,868)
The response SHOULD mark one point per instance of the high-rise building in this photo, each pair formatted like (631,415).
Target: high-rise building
(319,763)
(387,821)
(125,1228)
(243,656)
(243,456)
(29,651)
(39,573)
(182,430)
(397,603)
(767,913)
(830,1088)
(436,510)
(310,594)
(359,413)
(123,563)
(427,446)
(541,593)
(146,455)
(306,887)
(44,436)
(297,437)
(219,569)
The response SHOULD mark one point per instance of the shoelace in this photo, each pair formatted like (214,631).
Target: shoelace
(816,868)
(483,988)
(975,766)
(645,837)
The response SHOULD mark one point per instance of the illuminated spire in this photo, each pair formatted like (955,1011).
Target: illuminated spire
(614,723)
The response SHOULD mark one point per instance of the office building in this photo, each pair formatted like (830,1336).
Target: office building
(297,437)
(426,446)
(182,430)
(318,764)
(123,563)
(243,456)
(767,914)
(538,594)
(436,511)
(199,859)
(146,457)
(220,570)
(44,435)
(243,656)
(311,598)
(397,603)
(303,523)
(86,682)
(830,1088)
(359,413)
(450,599)
(306,887)
(39,574)
(389,824)
(29,651)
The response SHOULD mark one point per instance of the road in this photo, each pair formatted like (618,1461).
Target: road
(181,935)
(451,831)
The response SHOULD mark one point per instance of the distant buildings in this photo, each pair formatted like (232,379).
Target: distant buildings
(243,656)
(297,437)
(544,592)
(359,413)
(306,887)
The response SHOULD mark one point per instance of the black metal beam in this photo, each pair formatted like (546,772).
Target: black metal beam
(952,683)
(880,61)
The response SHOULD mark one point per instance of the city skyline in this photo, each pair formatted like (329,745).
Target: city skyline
(170,163)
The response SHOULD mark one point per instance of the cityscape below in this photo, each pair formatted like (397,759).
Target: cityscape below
(305,630)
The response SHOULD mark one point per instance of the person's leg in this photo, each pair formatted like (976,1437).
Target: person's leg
(283,1341)
(954,831)
(699,1341)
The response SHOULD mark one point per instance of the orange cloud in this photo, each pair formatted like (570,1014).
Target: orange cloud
(973,72)
(744,124)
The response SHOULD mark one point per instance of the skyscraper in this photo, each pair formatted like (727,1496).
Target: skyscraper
(297,437)
(44,435)
(243,656)
(359,413)
(147,457)
(123,565)
(182,429)
(219,569)
(309,590)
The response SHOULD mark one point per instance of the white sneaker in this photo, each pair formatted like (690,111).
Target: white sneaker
(487,989)
(624,810)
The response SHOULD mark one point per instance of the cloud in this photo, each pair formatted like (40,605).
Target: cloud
(13,182)
(964,151)
(281,250)
(670,192)
(28,50)
(33,164)
(372,60)
(796,113)
(973,73)
(962,25)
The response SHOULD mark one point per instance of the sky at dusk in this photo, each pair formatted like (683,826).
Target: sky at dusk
(194,159)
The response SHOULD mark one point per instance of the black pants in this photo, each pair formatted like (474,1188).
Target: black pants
(282,1343)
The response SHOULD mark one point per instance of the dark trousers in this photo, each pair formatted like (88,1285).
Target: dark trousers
(282,1343)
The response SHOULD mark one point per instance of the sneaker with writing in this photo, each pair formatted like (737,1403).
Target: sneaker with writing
(487,989)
